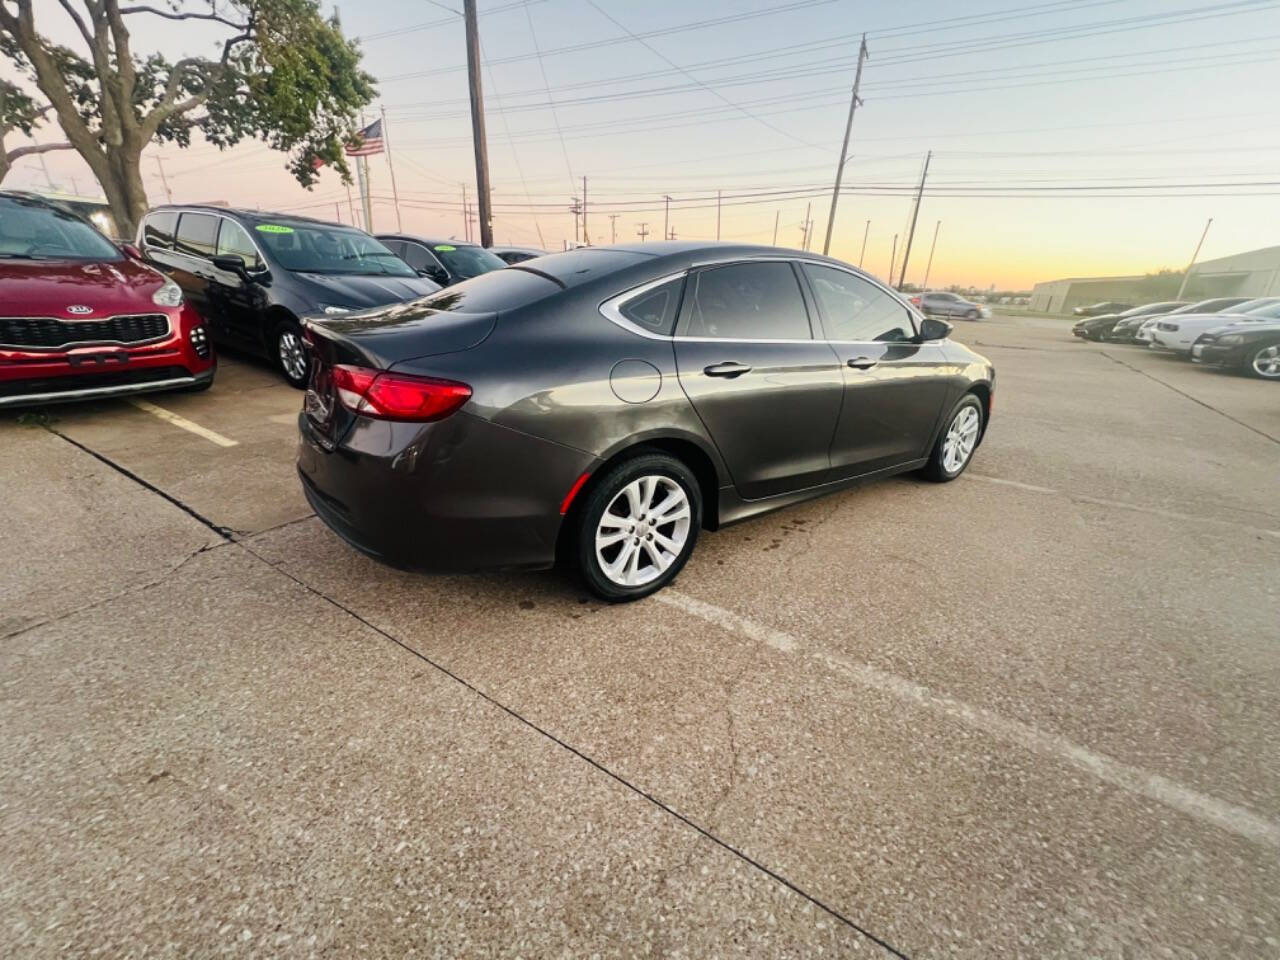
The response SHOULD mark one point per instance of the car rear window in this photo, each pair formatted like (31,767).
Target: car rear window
(498,290)
(579,266)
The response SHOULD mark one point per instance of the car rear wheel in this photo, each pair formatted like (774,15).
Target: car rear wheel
(971,315)
(955,446)
(1265,362)
(291,354)
(637,527)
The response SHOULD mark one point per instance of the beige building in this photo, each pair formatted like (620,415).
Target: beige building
(1252,274)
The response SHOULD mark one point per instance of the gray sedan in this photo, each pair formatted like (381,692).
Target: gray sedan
(949,305)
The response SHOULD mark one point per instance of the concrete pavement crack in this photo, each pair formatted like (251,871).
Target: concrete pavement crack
(1196,400)
(229,536)
(599,766)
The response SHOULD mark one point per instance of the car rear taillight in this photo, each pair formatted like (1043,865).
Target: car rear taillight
(397,396)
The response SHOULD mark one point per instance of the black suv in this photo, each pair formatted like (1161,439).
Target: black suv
(445,261)
(253,274)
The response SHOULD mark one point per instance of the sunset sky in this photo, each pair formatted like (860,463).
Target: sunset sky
(1045,119)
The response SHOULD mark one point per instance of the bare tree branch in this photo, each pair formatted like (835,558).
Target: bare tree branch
(35,148)
(79,21)
(175,15)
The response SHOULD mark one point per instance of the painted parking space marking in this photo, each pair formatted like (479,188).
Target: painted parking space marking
(1122,505)
(171,417)
(1219,813)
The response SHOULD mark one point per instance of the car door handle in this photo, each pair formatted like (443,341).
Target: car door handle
(862,363)
(728,369)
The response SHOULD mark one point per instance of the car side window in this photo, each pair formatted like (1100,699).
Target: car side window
(748,301)
(655,310)
(197,234)
(419,257)
(858,310)
(395,246)
(233,239)
(157,230)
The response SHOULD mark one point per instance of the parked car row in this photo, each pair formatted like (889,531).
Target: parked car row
(1237,333)
(86,317)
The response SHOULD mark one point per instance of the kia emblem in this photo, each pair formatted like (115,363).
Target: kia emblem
(79,309)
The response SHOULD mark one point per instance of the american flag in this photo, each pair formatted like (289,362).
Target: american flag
(368,141)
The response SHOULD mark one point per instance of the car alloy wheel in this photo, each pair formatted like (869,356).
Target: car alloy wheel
(971,315)
(1266,362)
(292,354)
(638,526)
(954,448)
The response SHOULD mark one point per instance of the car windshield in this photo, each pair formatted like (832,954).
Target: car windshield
(467,261)
(1149,308)
(319,248)
(31,230)
(1268,311)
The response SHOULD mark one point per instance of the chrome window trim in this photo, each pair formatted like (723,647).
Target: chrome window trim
(610,308)
(77,344)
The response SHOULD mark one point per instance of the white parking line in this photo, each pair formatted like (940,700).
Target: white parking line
(1228,816)
(183,422)
(1121,505)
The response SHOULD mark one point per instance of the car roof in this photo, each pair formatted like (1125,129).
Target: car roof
(253,216)
(418,238)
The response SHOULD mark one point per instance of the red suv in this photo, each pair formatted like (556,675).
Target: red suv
(81,317)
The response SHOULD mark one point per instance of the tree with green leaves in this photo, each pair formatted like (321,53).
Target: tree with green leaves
(284,74)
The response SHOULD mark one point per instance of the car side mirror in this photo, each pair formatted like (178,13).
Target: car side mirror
(233,263)
(931,328)
(130,251)
(434,274)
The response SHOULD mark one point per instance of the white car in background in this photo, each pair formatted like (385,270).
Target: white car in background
(1178,333)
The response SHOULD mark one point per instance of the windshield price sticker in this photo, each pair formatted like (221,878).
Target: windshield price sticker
(273,228)
(445,248)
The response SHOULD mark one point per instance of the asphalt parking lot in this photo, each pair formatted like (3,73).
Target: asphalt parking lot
(1034,712)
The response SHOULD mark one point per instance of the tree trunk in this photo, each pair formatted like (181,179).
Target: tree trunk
(125,192)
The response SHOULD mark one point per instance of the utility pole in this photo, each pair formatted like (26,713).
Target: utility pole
(163,179)
(717,216)
(924,285)
(1187,276)
(586,237)
(395,194)
(804,227)
(915,212)
(672,234)
(893,257)
(337,207)
(866,230)
(854,102)
(477,123)
(643,231)
(666,216)
(466,215)
(776,215)
(368,193)
(575,207)
(364,197)
(613,227)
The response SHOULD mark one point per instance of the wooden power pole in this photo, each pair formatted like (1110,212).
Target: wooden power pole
(854,102)
(915,212)
(477,123)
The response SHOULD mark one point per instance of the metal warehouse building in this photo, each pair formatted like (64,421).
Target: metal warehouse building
(1252,274)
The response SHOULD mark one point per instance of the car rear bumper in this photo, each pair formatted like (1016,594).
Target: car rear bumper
(459,495)
(31,377)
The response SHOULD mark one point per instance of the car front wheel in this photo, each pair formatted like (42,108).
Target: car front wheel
(1265,362)
(955,446)
(291,354)
(637,527)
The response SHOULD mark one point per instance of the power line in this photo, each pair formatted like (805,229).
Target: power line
(550,102)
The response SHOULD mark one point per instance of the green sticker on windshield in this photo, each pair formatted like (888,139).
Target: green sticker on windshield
(445,248)
(273,228)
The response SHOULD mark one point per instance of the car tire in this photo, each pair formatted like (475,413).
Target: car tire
(971,315)
(290,353)
(956,443)
(619,551)
(1263,362)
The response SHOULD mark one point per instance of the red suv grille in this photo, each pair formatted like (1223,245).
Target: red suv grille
(49,334)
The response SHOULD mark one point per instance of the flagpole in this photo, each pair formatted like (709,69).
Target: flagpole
(368,196)
(386,145)
(364,200)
